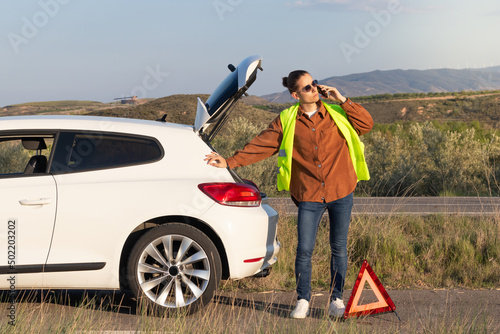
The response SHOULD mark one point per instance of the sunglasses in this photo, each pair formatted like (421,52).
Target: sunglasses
(308,88)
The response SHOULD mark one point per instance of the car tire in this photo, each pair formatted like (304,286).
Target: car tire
(174,267)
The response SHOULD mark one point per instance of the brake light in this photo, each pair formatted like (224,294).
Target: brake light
(232,194)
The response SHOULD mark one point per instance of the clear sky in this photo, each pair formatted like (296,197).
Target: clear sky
(100,50)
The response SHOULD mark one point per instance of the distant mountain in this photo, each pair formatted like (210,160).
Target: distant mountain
(407,81)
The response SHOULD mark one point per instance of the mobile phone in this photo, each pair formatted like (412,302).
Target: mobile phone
(322,92)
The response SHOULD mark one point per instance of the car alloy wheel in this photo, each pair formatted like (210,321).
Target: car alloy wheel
(175,266)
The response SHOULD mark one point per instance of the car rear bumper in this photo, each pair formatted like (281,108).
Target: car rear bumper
(250,234)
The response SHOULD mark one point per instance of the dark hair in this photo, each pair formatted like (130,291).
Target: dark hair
(290,82)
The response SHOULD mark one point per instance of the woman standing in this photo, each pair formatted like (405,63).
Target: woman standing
(320,160)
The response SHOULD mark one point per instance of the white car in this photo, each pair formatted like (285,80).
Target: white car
(114,203)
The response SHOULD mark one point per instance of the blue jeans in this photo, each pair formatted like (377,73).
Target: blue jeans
(309,216)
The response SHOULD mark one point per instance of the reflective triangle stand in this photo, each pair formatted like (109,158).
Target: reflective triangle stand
(384,303)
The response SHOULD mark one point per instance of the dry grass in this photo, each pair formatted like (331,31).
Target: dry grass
(406,252)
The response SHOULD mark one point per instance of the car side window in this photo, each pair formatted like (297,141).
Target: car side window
(26,154)
(90,151)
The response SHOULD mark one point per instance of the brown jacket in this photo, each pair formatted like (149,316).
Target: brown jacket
(322,170)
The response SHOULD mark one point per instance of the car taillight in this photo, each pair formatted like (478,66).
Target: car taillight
(233,194)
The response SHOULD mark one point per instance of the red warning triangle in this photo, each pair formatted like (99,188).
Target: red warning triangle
(384,303)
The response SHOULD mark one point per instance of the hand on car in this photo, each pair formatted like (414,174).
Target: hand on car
(214,159)
(333,94)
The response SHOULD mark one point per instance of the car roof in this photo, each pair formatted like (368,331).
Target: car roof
(90,123)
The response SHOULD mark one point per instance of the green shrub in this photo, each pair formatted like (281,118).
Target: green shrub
(410,159)
(421,159)
(13,157)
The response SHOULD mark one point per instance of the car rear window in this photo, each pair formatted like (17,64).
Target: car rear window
(89,151)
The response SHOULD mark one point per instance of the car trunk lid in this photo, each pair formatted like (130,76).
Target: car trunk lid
(219,105)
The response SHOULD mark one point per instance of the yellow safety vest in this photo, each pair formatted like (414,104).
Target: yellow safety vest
(288,118)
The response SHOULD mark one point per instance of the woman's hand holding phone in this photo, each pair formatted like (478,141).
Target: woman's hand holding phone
(331,93)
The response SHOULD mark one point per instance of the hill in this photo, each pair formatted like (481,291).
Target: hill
(53,107)
(483,107)
(182,109)
(460,107)
(407,81)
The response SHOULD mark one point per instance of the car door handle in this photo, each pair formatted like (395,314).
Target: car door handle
(33,202)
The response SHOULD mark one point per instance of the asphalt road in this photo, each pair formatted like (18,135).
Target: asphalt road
(417,311)
(410,205)
(431,311)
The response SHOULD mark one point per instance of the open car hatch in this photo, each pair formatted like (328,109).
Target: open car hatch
(219,105)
